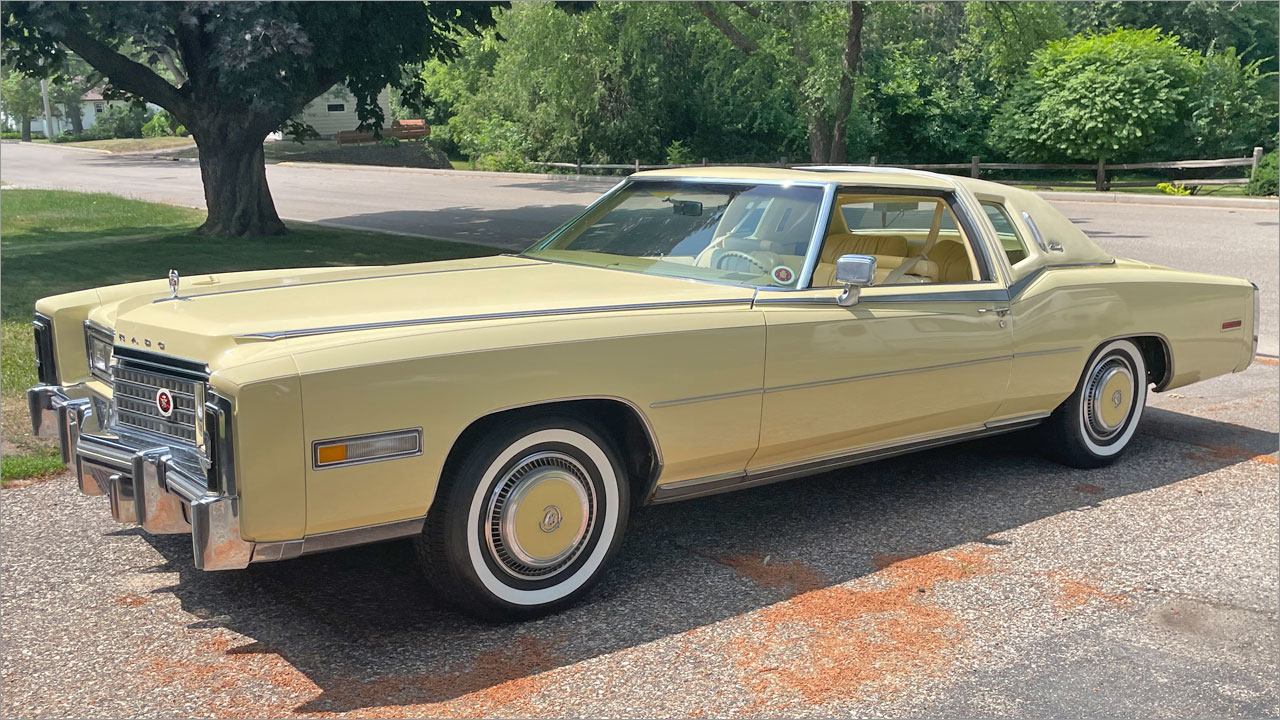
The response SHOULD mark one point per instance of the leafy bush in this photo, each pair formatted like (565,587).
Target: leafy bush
(93,133)
(1266,178)
(17,135)
(504,161)
(389,141)
(163,125)
(678,154)
(123,121)
(1098,96)
(490,136)
(1174,188)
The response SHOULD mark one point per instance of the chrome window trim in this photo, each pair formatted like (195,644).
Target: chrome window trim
(510,315)
(1035,231)
(811,253)
(416,433)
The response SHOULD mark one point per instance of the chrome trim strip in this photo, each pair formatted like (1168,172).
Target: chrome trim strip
(887,373)
(1017,288)
(992,295)
(416,433)
(706,398)
(1054,351)
(171,298)
(1019,420)
(702,487)
(820,228)
(550,312)
(322,542)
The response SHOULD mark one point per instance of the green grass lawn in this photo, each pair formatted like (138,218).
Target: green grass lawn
(56,241)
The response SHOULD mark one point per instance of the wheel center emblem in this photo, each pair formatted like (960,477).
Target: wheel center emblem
(551,519)
(1117,398)
(164,402)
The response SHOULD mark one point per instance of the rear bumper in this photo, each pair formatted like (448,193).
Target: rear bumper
(143,482)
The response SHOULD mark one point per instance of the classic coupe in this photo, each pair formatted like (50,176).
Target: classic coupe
(691,332)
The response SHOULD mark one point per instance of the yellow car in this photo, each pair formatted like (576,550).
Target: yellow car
(691,332)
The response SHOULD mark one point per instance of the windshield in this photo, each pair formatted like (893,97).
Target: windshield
(743,233)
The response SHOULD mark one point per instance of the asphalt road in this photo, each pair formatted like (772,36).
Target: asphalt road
(975,580)
(511,213)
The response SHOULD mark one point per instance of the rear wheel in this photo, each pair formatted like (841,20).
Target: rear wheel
(1094,426)
(527,522)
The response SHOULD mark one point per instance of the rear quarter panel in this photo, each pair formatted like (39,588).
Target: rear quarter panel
(1062,315)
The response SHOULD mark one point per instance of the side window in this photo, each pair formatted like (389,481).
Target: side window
(1010,239)
(915,239)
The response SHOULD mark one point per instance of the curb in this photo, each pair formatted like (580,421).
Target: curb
(612,180)
(59,146)
(1117,198)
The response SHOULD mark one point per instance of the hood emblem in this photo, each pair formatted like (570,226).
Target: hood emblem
(164,402)
(173,282)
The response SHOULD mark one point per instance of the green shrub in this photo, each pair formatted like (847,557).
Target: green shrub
(1174,188)
(678,154)
(163,125)
(389,141)
(17,135)
(504,161)
(1266,177)
(123,121)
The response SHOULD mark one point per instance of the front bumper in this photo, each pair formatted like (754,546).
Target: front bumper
(143,481)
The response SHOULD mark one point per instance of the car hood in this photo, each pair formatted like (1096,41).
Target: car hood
(216,316)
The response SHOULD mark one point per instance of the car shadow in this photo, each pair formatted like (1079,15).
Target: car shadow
(361,625)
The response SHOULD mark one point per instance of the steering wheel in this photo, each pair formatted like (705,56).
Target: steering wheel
(742,256)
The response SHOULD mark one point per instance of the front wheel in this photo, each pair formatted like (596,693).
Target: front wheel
(527,522)
(1094,426)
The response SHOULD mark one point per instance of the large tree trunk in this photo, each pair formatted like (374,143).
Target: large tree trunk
(235,186)
(26,129)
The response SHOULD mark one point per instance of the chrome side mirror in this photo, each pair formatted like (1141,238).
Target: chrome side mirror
(854,272)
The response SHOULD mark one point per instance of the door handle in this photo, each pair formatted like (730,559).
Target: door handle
(999,311)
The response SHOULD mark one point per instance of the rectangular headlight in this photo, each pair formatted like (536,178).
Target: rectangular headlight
(98,345)
(366,448)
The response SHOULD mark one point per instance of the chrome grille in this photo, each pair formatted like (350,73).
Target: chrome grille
(135,397)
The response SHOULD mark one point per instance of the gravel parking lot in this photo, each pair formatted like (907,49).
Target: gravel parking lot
(974,580)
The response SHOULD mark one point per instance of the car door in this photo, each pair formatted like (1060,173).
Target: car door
(910,363)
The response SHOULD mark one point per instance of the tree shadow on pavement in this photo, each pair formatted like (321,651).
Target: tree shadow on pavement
(361,626)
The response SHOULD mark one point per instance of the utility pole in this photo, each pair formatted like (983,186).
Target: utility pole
(48,116)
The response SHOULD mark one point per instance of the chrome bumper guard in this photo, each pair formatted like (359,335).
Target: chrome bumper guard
(144,484)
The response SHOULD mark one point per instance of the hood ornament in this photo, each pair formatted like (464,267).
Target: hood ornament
(173,283)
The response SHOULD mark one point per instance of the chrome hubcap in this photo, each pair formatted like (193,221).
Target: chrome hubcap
(540,515)
(1108,398)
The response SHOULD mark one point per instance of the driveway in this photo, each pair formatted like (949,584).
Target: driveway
(512,212)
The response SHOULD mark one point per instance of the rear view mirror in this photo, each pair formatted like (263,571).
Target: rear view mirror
(854,272)
(688,208)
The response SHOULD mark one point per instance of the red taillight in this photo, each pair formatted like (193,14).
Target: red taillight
(1232,324)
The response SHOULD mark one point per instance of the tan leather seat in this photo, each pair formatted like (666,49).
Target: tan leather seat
(838,244)
(948,262)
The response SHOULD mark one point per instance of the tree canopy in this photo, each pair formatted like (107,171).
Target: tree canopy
(238,71)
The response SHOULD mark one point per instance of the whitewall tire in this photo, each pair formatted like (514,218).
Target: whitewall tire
(527,520)
(1095,425)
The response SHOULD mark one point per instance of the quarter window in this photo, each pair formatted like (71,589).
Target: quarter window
(1015,248)
(337,107)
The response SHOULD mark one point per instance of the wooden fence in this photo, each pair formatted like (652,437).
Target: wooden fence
(975,166)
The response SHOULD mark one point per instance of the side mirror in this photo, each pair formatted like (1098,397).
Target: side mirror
(854,272)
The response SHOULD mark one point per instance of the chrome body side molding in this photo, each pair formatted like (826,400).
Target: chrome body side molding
(701,487)
(322,542)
